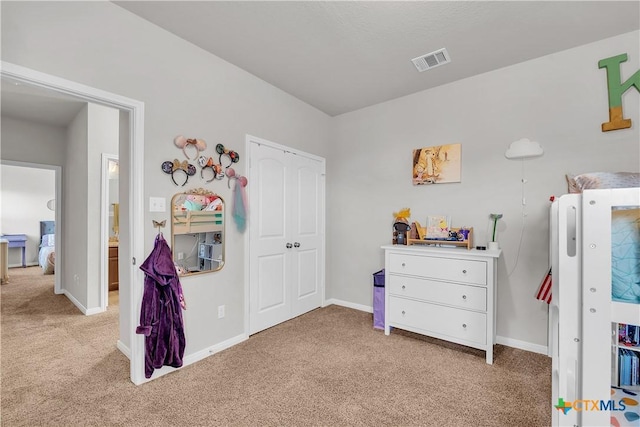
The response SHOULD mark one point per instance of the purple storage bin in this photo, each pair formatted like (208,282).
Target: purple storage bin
(378,299)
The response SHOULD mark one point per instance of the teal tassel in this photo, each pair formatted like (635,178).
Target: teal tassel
(239,212)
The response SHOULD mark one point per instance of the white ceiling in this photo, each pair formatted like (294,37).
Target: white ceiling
(342,56)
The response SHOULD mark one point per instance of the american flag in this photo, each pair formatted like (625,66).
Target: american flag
(544,291)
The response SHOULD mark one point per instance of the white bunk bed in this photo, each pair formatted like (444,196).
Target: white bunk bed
(582,308)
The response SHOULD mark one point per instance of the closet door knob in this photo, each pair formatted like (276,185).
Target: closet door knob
(464,325)
(464,271)
(289,245)
(464,297)
(296,244)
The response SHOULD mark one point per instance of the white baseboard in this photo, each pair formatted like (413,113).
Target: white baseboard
(348,304)
(200,355)
(210,351)
(75,302)
(86,311)
(124,349)
(96,310)
(522,345)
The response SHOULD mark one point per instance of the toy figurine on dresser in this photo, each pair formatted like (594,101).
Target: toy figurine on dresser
(401,226)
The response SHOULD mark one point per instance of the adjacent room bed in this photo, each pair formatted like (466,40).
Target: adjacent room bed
(47,252)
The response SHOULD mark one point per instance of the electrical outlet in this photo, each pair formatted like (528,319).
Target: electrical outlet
(220,311)
(180,256)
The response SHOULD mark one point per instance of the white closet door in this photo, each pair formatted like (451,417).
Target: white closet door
(286,265)
(307,233)
(269,288)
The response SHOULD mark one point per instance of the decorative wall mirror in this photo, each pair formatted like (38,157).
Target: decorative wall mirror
(197,232)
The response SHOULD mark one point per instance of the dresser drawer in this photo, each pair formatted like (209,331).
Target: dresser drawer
(437,319)
(463,296)
(458,270)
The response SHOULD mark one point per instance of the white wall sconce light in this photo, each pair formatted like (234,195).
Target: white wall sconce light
(524,148)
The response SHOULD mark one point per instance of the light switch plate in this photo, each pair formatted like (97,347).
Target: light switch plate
(157,204)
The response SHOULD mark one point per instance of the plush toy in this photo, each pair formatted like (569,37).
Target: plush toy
(213,204)
(403,215)
(401,226)
(194,202)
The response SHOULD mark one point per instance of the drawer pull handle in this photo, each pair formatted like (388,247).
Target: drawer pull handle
(403,264)
(403,286)
(464,297)
(464,271)
(464,325)
(403,312)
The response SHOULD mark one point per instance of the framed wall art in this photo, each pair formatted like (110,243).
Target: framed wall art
(437,165)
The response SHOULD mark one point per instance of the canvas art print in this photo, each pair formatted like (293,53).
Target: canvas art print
(436,165)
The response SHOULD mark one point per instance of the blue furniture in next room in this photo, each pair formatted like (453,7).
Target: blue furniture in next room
(17,241)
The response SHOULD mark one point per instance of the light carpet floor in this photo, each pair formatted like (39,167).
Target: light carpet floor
(328,367)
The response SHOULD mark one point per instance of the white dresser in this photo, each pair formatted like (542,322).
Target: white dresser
(445,293)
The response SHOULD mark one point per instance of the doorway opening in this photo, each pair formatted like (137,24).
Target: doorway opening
(110,229)
(29,192)
(131,238)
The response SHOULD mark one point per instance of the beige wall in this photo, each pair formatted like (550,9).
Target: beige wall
(559,100)
(74,228)
(103,134)
(186,91)
(26,141)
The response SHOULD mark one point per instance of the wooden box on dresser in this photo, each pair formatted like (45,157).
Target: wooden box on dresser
(445,293)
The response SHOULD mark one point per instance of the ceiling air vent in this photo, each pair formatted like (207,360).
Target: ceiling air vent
(431,60)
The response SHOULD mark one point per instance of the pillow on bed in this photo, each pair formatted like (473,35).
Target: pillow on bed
(48,240)
(596,180)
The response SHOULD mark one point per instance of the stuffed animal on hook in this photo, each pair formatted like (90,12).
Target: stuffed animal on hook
(182,142)
(171,168)
(233,155)
(207,162)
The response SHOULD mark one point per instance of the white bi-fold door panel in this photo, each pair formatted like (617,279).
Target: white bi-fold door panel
(286,235)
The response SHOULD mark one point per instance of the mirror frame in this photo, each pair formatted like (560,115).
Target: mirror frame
(201,221)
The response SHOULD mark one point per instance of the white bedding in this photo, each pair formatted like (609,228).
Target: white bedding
(47,254)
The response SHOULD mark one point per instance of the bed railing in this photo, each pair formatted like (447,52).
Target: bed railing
(598,308)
